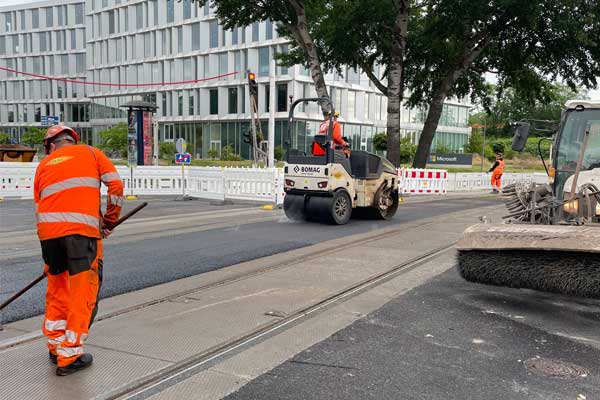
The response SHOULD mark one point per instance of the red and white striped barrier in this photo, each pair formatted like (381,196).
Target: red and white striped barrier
(423,181)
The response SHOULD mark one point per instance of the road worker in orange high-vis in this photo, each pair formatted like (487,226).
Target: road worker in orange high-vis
(338,141)
(497,170)
(70,228)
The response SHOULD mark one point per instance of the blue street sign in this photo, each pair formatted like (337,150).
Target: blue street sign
(49,120)
(183,158)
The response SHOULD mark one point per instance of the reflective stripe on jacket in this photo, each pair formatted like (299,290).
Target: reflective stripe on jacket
(67,192)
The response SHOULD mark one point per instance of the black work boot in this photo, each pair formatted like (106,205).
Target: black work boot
(82,362)
(53,357)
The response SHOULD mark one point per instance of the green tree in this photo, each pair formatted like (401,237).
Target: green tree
(369,36)
(278,153)
(526,44)
(114,139)
(213,153)
(228,154)
(294,19)
(4,138)
(380,141)
(407,150)
(507,106)
(167,150)
(33,136)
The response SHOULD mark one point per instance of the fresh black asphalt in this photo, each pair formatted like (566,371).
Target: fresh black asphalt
(449,339)
(135,265)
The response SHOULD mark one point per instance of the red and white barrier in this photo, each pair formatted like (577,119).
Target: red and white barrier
(423,181)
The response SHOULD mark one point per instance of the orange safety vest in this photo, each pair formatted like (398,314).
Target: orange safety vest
(317,150)
(67,192)
(499,170)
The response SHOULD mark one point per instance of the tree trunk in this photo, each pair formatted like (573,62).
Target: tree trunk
(395,87)
(431,123)
(470,53)
(302,36)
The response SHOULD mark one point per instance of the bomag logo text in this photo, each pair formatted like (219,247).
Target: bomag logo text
(316,170)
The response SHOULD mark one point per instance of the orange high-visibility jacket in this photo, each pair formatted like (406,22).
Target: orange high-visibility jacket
(498,167)
(67,192)
(337,136)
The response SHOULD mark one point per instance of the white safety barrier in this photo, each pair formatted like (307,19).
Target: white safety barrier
(253,184)
(16,179)
(422,181)
(468,181)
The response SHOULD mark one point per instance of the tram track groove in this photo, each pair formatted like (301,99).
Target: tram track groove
(167,377)
(333,248)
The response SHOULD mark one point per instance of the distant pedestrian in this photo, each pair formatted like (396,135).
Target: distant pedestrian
(497,170)
(70,228)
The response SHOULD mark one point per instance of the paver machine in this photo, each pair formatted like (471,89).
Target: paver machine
(550,238)
(332,187)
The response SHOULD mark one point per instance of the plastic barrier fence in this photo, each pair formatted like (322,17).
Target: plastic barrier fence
(254,184)
(422,181)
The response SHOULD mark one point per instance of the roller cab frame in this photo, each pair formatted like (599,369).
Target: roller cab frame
(331,187)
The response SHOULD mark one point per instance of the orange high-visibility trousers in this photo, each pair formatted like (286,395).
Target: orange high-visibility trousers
(74,271)
(496,181)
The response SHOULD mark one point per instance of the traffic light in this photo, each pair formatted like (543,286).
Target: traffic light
(247,137)
(252,84)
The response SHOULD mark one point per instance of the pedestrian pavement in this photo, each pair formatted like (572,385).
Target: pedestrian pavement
(153,332)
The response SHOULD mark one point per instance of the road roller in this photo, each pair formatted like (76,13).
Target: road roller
(332,187)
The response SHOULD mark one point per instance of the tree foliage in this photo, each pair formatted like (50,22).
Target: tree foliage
(167,150)
(527,44)
(114,139)
(407,150)
(380,141)
(294,19)
(33,136)
(507,106)
(4,138)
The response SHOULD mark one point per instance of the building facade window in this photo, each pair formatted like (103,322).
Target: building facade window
(111,22)
(187,9)
(196,36)
(282,96)
(79,13)
(268,29)
(263,61)
(170,11)
(214,34)
(139,15)
(179,39)
(35,19)
(255,26)
(191,104)
(214,101)
(233,100)
(180,103)
(49,17)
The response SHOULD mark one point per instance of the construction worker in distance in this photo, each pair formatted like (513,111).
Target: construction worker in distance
(70,228)
(497,170)
(338,141)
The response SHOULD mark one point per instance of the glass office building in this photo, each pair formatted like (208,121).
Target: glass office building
(149,49)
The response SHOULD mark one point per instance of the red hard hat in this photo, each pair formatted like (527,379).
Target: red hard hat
(57,129)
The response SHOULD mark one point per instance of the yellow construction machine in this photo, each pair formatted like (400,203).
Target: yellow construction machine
(550,238)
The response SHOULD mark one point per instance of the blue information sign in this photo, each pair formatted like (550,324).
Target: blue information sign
(49,120)
(183,158)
